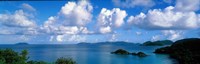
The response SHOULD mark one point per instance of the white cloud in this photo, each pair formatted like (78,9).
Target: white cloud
(166,19)
(70,38)
(59,38)
(76,14)
(20,22)
(187,5)
(113,37)
(18,19)
(109,19)
(105,30)
(72,19)
(155,38)
(59,30)
(84,30)
(5,31)
(114,17)
(172,34)
(133,3)
(28,7)
(77,38)
(17,23)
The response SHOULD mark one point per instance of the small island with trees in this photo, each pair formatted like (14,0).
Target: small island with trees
(22,43)
(124,52)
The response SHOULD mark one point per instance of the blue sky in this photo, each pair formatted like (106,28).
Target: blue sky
(69,22)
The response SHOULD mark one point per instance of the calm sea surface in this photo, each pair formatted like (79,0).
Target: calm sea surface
(92,54)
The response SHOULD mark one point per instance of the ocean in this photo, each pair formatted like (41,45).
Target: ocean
(92,54)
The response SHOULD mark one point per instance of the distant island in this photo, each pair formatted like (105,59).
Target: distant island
(124,52)
(22,43)
(118,43)
(186,51)
(157,43)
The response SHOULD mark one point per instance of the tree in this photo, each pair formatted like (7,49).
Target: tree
(24,54)
(63,60)
(8,56)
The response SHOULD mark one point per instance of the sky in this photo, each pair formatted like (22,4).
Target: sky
(75,21)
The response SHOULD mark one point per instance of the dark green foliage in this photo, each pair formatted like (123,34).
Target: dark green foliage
(158,43)
(24,54)
(36,62)
(186,51)
(141,54)
(63,60)
(149,43)
(120,51)
(163,50)
(8,56)
(124,52)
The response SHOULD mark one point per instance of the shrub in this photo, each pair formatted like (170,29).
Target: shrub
(8,56)
(63,60)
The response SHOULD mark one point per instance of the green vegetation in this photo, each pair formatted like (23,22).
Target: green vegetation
(158,43)
(139,54)
(124,52)
(120,51)
(36,62)
(63,60)
(8,56)
(186,51)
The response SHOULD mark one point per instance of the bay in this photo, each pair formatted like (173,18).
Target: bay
(92,54)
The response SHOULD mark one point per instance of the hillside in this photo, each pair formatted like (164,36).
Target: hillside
(158,43)
(186,51)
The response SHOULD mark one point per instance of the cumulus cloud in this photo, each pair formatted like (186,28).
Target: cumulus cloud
(187,5)
(18,23)
(169,34)
(105,30)
(59,38)
(69,38)
(18,19)
(109,19)
(65,38)
(76,14)
(133,3)
(166,19)
(172,34)
(181,16)
(72,19)
(171,20)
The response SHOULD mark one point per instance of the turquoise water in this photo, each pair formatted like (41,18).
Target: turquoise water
(93,54)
